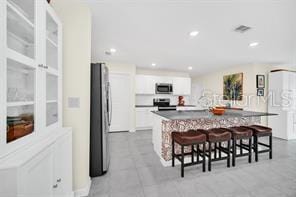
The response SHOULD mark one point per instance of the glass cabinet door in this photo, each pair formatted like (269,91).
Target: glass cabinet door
(20,69)
(52,70)
(21,27)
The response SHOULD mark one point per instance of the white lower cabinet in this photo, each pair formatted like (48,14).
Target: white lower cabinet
(144,117)
(35,177)
(62,162)
(44,170)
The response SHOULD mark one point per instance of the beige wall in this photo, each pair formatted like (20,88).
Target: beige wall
(76,21)
(129,69)
(159,72)
(213,82)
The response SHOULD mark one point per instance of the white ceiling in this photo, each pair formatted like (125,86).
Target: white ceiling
(146,31)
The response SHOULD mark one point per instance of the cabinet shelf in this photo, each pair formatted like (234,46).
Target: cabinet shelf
(16,56)
(52,42)
(20,103)
(20,13)
(52,101)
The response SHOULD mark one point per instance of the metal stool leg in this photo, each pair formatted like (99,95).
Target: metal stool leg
(220,152)
(182,161)
(270,147)
(173,153)
(192,153)
(198,152)
(204,157)
(241,149)
(250,150)
(228,153)
(215,153)
(210,157)
(256,147)
(233,152)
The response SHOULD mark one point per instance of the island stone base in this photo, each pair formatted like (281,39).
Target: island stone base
(169,126)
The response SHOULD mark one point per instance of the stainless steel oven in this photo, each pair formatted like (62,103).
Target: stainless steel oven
(163,104)
(164,88)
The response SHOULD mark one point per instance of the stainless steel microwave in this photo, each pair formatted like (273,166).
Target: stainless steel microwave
(164,88)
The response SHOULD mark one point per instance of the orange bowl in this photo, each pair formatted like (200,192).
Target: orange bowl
(218,111)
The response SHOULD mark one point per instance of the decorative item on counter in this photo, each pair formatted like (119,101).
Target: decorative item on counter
(181,101)
(233,87)
(218,110)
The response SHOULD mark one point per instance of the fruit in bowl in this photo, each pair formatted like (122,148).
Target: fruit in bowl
(217,111)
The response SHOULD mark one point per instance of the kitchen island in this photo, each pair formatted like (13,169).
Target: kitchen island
(165,122)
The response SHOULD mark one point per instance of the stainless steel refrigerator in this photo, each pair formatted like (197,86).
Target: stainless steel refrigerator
(100,120)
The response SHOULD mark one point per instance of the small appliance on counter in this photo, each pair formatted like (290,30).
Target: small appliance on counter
(164,104)
(181,101)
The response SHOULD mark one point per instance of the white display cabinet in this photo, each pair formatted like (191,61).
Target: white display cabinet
(35,151)
(31,72)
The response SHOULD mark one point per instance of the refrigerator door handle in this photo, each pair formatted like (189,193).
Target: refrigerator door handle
(110,103)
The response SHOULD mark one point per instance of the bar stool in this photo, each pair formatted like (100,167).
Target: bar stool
(218,135)
(241,133)
(189,138)
(261,131)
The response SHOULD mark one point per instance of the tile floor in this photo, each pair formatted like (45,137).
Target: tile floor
(135,171)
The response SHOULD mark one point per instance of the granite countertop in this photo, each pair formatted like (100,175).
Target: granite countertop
(196,114)
(156,106)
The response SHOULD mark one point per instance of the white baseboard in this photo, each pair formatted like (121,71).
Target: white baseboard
(83,192)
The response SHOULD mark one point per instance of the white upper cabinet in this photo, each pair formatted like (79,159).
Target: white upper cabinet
(30,71)
(145,84)
(181,86)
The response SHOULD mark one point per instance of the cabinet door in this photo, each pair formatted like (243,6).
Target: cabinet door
(62,157)
(36,176)
(19,69)
(163,79)
(145,84)
(53,68)
(182,86)
(141,117)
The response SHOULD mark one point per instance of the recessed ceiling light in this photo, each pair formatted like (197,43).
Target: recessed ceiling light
(153,64)
(112,50)
(253,44)
(190,68)
(193,33)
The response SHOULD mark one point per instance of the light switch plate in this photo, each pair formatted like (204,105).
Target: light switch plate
(74,102)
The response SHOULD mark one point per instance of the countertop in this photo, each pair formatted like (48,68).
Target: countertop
(156,106)
(196,114)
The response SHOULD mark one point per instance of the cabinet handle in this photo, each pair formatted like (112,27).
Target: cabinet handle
(40,66)
(46,67)
(55,186)
(59,180)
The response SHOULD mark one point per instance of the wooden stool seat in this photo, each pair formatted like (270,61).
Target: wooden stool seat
(189,137)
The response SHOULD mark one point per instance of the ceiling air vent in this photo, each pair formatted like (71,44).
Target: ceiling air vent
(242,29)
